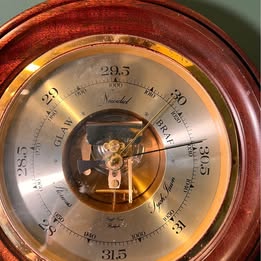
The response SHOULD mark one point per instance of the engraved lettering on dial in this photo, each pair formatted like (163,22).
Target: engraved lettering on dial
(115,158)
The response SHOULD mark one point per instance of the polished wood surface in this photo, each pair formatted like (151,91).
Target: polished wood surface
(47,25)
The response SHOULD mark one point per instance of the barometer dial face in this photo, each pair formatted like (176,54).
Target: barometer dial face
(113,149)
(116,146)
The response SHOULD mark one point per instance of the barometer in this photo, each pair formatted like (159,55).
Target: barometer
(129,130)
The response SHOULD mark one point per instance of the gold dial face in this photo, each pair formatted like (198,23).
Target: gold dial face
(113,146)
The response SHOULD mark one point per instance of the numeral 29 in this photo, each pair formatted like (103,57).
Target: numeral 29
(48,97)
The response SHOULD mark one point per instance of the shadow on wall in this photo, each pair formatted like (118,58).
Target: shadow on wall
(247,37)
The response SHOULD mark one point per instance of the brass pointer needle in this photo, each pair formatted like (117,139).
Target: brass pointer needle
(148,123)
(84,165)
(166,148)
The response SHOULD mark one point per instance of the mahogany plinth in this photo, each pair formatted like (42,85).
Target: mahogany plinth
(50,24)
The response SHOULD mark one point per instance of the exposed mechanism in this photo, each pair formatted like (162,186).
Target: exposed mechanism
(104,152)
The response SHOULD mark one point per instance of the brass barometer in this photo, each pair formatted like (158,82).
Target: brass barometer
(129,130)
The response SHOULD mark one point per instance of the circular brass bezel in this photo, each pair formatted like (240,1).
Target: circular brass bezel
(34,68)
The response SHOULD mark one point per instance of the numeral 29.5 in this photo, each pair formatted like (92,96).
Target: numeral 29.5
(115,70)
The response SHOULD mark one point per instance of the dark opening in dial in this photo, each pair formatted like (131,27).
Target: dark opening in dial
(99,165)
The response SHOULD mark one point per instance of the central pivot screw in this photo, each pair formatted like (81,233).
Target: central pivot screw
(114,162)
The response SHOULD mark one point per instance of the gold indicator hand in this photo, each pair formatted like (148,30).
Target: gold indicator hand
(147,125)
(166,148)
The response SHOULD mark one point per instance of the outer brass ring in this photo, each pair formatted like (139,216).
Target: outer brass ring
(31,71)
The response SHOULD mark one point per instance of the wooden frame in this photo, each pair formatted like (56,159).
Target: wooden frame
(50,24)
